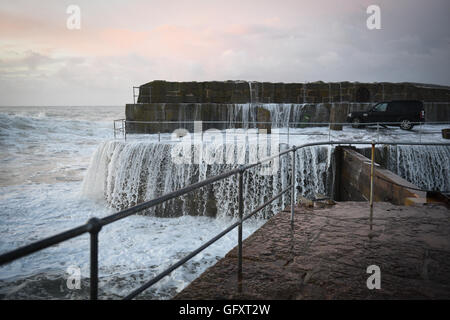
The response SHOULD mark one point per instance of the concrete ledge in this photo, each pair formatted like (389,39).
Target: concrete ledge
(326,254)
(354,177)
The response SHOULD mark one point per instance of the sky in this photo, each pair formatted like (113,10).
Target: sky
(126,43)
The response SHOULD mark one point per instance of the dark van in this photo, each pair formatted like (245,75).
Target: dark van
(402,112)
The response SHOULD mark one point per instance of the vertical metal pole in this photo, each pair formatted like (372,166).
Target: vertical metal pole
(125,129)
(378,131)
(288,135)
(159,136)
(94,266)
(293,185)
(329,132)
(94,228)
(420,133)
(371,183)
(241,209)
(114,129)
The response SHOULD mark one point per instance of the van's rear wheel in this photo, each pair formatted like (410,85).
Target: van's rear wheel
(405,124)
(356,123)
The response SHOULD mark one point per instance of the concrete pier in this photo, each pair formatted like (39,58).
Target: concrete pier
(325,255)
(312,102)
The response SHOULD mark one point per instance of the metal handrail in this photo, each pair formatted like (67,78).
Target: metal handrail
(94,225)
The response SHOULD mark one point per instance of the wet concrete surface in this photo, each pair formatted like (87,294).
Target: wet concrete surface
(326,253)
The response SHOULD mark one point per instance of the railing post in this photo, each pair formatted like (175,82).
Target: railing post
(114,129)
(420,133)
(371,183)
(125,129)
(293,185)
(378,131)
(94,228)
(241,211)
(329,131)
(288,134)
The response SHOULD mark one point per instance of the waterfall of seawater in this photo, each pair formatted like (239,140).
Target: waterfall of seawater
(427,167)
(128,173)
(280,114)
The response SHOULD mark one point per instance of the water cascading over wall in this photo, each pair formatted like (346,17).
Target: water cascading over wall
(278,114)
(127,173)
(427,167)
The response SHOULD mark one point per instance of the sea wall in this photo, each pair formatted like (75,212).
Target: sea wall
(353,181)
(242,104)
(128,173)
(229,92)
(245,115)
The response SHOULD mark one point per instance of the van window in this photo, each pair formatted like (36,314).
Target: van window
(381,107)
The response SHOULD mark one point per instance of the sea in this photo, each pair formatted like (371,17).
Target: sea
(44,155)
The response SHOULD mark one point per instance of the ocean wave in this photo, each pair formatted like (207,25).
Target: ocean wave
(45,146)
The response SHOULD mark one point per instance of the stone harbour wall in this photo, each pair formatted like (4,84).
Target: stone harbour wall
(315,102)
(223,92)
